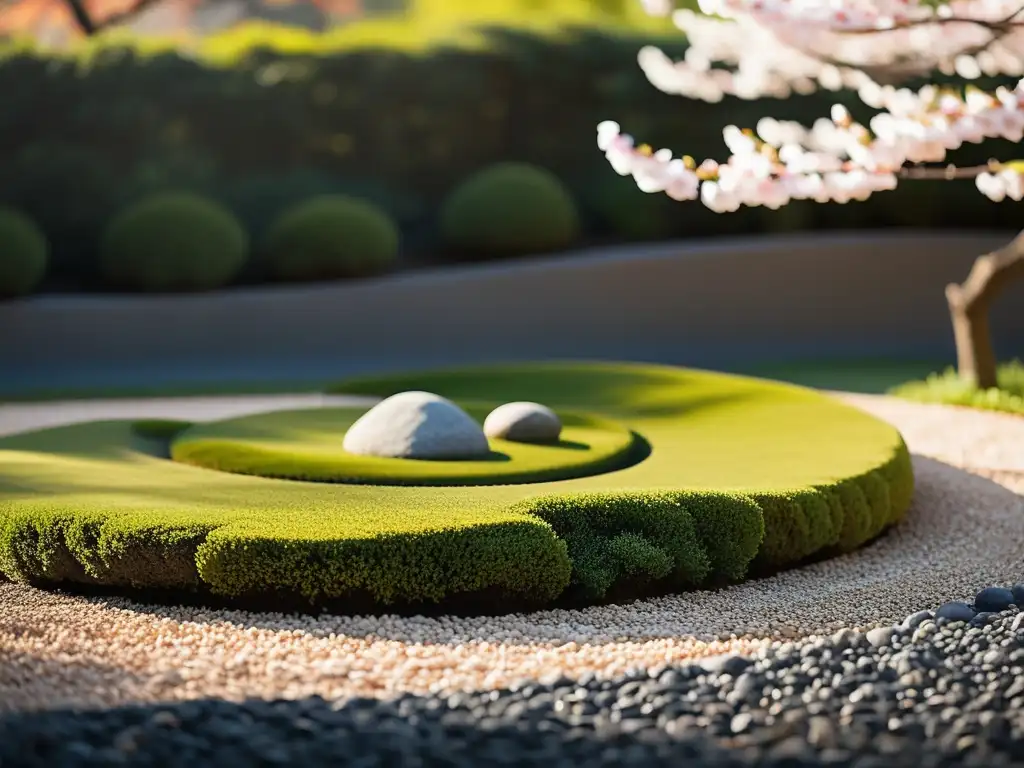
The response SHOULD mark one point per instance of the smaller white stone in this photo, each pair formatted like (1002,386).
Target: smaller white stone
(523,422)
(416,425)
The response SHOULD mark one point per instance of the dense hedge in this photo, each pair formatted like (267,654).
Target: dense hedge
(400,130)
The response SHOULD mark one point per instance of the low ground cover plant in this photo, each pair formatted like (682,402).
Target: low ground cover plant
(736,476)
(950,388)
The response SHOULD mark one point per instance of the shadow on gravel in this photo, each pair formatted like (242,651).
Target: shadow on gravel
(503,728)
(29,682)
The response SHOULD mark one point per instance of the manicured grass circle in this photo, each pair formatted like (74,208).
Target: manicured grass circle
(742,473)
(306,445)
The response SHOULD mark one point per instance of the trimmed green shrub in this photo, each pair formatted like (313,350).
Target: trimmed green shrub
(876,493)
(614,205)
(24,253)
(856,524)
(730,526)
(841,516)
(787,532)
(613,538)
(331,236)
(509,209)
(689,537)
(899,478)
(172,242)
(521,559)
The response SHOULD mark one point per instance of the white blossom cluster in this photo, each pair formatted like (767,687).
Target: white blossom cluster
(775,47)
(837,159)
(778,47)
(1006,183)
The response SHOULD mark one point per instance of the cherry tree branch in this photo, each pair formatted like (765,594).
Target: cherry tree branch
(948,173)
(91,26)
(1000,25)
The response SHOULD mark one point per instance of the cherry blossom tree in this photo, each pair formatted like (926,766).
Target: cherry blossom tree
(774,48)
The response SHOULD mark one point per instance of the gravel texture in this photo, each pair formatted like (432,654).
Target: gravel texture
(964,532)
(938,694)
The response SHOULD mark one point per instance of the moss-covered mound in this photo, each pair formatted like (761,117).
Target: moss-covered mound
(740,472)
(306,445)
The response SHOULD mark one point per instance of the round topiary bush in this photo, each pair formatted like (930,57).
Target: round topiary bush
(509,209)
(172,242)
(331,236)
(24,253)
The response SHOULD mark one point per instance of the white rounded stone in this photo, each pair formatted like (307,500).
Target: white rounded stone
(523,422)
(416,425)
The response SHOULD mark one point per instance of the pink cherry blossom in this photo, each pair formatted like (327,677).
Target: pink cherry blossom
(774,48)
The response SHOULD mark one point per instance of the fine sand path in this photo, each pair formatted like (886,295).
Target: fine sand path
(964,531)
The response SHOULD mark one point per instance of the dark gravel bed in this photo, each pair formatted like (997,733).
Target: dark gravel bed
(930,693)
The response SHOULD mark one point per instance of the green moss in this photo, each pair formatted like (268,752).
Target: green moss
(615,537)
(730,527)
(787,534)
(856,524)
(509,209)
(170,242)
(899,480)
(331,236)
(948,388)
(513,557)
(740,470)
(306,445)
(876,492)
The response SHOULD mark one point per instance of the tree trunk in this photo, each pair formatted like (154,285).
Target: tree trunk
(969,305)
(82,17)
